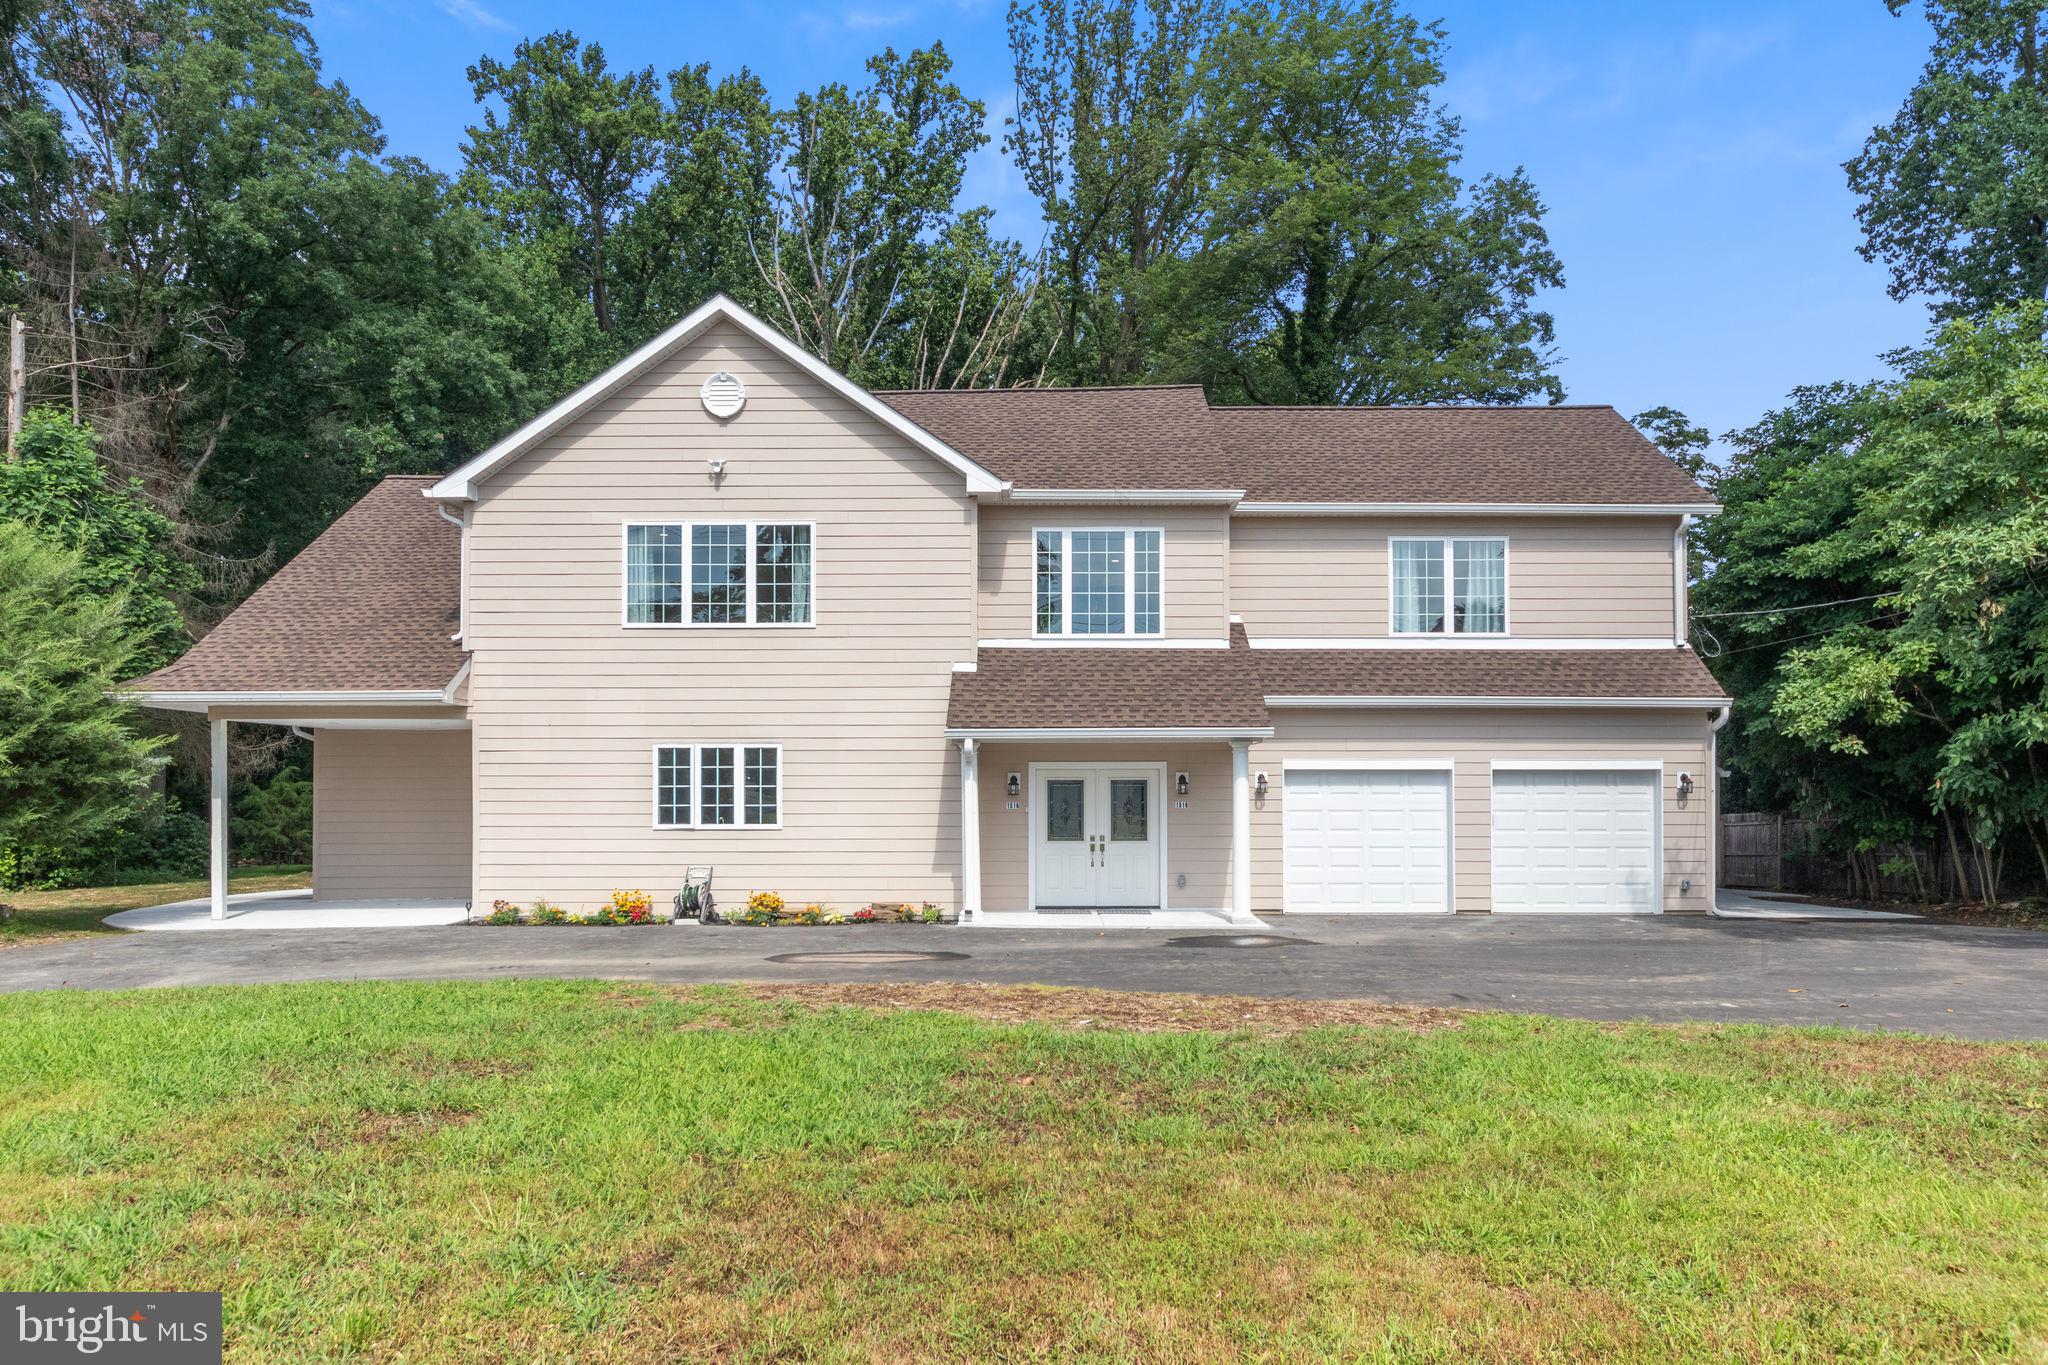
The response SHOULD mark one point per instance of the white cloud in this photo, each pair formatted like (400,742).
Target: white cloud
(473,14)
(860,20)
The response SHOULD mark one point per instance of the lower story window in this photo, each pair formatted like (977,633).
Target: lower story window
(707,785)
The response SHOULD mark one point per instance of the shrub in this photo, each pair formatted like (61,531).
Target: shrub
(929,913)
(273,820)
(545,913)
(502,912)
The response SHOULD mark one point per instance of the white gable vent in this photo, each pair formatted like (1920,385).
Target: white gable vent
(724,395)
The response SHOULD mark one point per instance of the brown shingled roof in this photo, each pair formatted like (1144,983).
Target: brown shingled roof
(1153,437)
(1169,437)
(1093,687)
(1455,672)
(368,606)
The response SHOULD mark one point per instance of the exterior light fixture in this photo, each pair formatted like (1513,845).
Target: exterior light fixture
(1261,784)
(1016,784)
(1180,784)
(1684,785)
(717,469)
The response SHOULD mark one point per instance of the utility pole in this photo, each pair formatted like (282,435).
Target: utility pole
(17,380)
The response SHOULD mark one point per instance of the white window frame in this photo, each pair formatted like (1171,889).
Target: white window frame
(739,795)
(1443,544)
(1066,631)
(753,526)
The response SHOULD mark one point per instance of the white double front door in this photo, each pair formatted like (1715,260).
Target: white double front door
(1095,837)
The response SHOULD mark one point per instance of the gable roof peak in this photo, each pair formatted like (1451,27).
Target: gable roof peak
(462,485)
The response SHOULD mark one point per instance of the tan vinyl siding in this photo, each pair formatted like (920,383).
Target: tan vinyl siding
(1568,577)
(1197,839)
(391,814)
(567,703)
(1194,577)
(1473,739)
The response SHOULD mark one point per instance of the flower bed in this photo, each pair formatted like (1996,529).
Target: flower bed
(766,909)
(624,908)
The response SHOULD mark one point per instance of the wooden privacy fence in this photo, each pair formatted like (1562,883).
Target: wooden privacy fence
(1773,852)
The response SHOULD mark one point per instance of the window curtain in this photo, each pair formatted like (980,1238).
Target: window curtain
(1480,585)
(1418,596)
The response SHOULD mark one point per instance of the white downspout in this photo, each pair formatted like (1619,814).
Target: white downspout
(461,523)
(1681,608)
(1714,808)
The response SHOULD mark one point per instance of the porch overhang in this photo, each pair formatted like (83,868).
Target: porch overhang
(1110,734)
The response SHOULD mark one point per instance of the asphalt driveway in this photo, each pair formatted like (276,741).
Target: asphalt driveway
(1934,978)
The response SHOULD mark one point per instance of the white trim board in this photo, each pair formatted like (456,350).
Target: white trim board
(462,485)
(1675,703)
(200,701)
(1474,509)
(1101,642)
(1225,497)
(1457,642)
(1164,732)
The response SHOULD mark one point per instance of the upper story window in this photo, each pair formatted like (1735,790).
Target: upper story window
(1450,586)
(734,573)
(1098,581)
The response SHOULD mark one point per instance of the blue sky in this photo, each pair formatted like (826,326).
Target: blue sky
(1690,155)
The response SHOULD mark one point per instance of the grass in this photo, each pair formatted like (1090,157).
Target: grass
(553,1170)
(50,916)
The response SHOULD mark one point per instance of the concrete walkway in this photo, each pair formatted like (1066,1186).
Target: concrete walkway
(1782,905)
(1928,977)
(290,910)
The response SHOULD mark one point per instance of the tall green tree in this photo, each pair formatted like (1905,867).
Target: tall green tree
(1108,136)
(1342,257)
(265,315)
(1955,188)
(71,766)
(56,486)
(1957,507)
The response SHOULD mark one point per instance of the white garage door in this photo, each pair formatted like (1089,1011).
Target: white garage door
(1367,841)
(1575,840)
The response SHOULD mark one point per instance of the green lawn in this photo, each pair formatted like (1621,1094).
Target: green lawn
(545,1170)
(47,916)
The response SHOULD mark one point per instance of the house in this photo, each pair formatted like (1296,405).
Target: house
(1016,652)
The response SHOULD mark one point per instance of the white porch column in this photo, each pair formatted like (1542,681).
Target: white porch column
(217,813)
(1240,829)
(970,833)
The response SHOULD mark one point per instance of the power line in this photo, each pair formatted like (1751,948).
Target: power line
(1776,611)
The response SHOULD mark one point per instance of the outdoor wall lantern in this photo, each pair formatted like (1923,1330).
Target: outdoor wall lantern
(1016,784)
(1180,784)
(1261,783)
(1684,785)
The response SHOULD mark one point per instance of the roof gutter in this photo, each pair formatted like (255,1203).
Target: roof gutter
(1204,497)
(1183,732)
(1471,509)
(200,701)
(1668,703)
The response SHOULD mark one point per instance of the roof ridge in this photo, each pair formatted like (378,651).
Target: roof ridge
(1413,407)
(1043,388)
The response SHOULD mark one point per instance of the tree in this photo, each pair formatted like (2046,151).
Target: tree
(1958,509)
(70,765)
(1342,258)
(265,315)
(1955,187)
(1106,133)
(566,163)
(55,486)
(1672,432)
(868,177)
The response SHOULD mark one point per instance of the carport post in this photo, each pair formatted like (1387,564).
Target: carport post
(970,833)
(217,813)
(1240,829)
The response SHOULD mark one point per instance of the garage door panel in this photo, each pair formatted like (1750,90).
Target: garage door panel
(1367,841)
(1576,841)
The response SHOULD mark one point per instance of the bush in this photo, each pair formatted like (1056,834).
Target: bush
(502,912)
(158,838)
(273,822)
(546,913)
